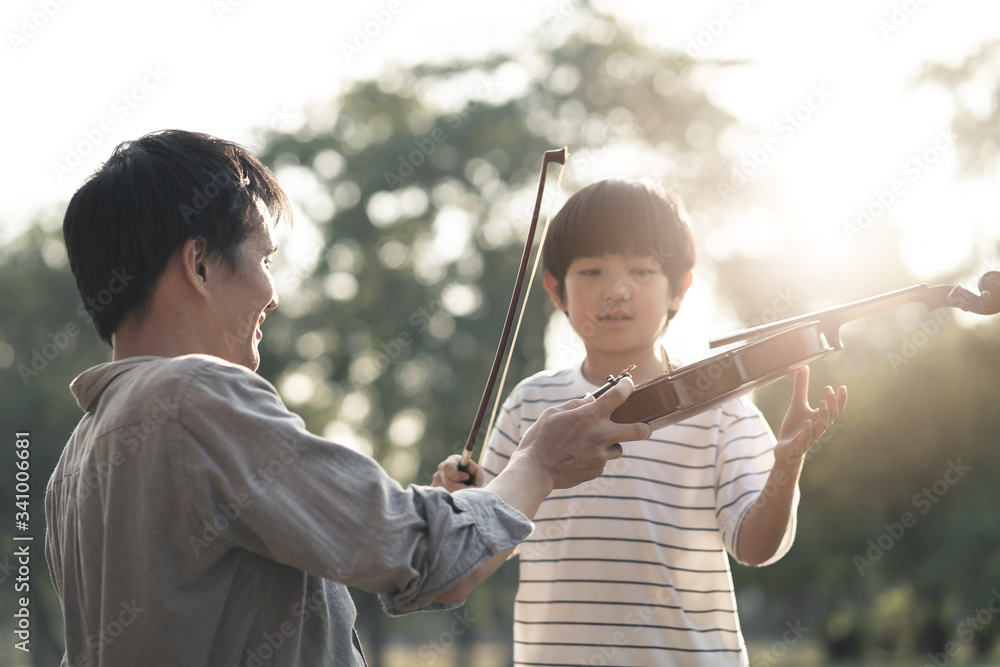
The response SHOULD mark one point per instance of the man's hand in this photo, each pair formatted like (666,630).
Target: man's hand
(571,443)
(802,425)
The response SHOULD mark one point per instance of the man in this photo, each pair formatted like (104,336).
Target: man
(192,518)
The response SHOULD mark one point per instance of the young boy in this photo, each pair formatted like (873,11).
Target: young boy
(631,567)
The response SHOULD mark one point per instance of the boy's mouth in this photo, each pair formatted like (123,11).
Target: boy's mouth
(614,316)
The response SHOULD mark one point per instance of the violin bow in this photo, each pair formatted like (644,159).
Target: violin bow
(558,156)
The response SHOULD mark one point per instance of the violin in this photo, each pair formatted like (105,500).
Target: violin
(776,350)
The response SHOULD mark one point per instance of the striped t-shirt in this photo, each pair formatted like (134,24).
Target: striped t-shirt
(631,568)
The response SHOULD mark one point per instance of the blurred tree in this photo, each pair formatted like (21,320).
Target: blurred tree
(416,189)
(413,193)
(975,85)
(44,342)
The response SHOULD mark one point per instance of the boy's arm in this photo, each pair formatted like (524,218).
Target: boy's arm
(569,444)
(763,526)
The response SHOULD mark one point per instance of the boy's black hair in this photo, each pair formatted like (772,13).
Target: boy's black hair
(627,217)
(152,195)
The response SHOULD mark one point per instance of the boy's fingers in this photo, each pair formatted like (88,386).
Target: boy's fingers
(800,386)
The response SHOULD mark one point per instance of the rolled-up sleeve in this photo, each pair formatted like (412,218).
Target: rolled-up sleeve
(304,501)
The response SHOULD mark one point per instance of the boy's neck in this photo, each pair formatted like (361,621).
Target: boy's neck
(597,368)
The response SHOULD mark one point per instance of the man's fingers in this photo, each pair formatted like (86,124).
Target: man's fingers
(615,396)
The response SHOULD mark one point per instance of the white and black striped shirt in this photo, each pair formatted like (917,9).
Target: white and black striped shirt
(631,568)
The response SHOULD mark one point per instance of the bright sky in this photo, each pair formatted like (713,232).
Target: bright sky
(828,89)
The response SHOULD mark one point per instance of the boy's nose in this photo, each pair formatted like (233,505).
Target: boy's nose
(618,290)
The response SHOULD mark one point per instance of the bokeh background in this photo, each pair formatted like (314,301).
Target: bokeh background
(826,152)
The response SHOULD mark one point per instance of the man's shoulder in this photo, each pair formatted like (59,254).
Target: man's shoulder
(171,380)
(199,375)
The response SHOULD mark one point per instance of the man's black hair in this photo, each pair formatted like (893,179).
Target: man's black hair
(152,195)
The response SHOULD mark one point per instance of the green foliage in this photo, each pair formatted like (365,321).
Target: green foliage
(975,121)
(413,194)
(429,180)
(44,343)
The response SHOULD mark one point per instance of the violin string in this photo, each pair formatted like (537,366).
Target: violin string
(498,397)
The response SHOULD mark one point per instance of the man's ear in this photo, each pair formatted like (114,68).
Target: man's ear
(194,263)
(682,288)
(555,290)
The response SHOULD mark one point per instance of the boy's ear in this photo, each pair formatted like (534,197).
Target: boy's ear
(554,288)
(682,288)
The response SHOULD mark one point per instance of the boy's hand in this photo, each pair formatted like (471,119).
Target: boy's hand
(451,478)
(802,425)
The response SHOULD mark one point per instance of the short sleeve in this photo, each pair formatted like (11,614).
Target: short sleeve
(503,438)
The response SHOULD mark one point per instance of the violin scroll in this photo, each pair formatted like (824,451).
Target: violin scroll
(987,302)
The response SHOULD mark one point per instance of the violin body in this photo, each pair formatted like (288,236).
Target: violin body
(703,385)
(781,348)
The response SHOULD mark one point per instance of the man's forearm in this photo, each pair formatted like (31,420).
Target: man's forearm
(523,486)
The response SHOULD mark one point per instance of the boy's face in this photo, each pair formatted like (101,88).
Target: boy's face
(617,304)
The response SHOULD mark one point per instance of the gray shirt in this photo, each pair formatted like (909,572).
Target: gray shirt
(192,520)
